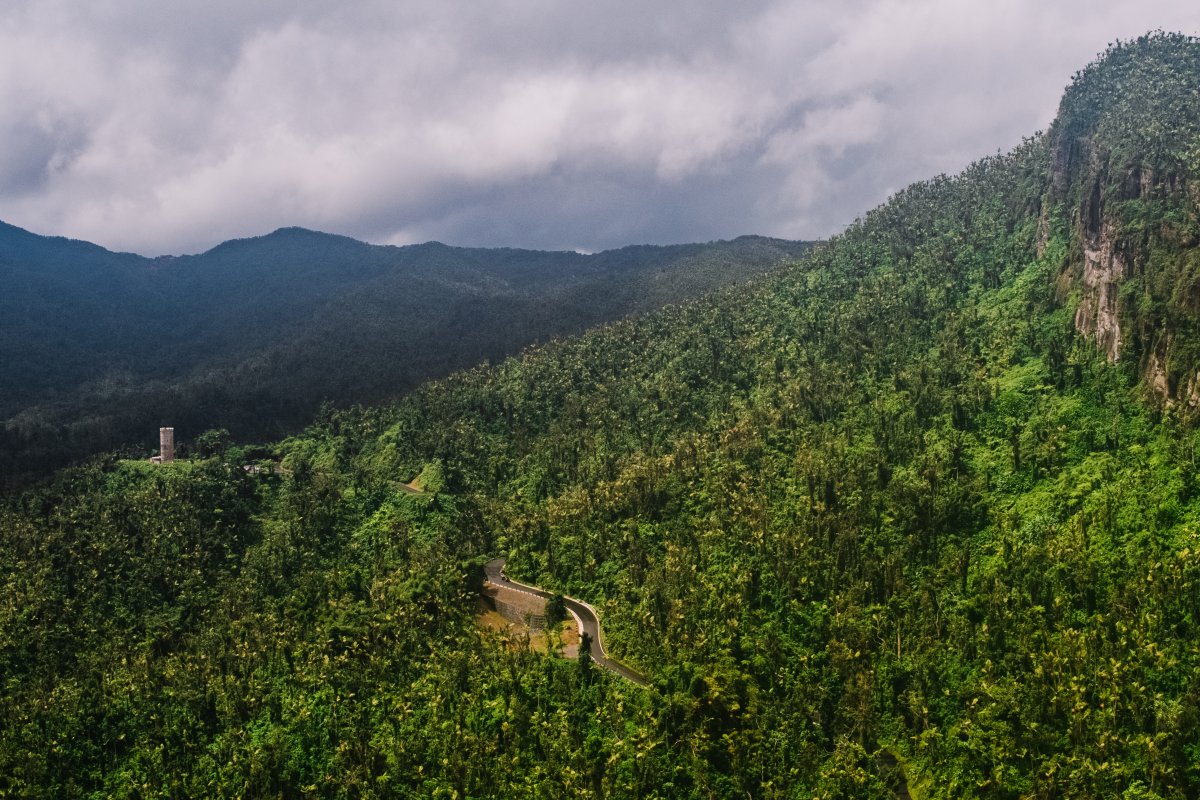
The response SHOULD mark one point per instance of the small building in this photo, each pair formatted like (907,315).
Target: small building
(166,447)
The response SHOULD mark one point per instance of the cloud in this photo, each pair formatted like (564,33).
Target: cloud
(521,123)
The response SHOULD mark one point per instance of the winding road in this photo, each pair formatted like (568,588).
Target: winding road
(585,615)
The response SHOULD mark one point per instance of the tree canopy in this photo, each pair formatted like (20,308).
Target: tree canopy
(886,516)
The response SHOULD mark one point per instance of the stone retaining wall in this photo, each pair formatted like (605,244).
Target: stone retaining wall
(519,607)
(513,613)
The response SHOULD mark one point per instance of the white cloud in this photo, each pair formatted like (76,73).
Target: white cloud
(167,129)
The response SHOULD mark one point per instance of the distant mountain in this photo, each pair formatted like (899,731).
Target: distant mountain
(97,348)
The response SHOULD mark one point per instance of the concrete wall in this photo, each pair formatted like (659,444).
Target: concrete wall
(524,610)
(536,622)
(166,444)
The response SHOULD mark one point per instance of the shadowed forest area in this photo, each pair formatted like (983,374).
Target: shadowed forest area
(99,349)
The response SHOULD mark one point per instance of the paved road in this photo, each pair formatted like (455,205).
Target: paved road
(585,615)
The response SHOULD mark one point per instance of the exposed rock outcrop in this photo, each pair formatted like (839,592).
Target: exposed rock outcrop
(1123,196)
(1158,377)
(1103,269)
(1108,258)
(1106,262)
(1156,372)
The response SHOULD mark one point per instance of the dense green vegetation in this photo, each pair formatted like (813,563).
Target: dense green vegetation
(887,505)
(98,349)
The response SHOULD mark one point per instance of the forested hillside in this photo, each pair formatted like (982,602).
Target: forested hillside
(920,512)
(97,349)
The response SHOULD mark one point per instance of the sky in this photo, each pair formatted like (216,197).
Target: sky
(167,127)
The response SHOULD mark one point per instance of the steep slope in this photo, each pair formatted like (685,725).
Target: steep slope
(1124,185)
(100,348)
(886,516)
(56,294)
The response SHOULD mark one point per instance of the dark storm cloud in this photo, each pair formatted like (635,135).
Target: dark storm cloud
(31,153)
(168,127)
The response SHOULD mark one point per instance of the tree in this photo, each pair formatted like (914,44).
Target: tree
(556,610)
(213,442)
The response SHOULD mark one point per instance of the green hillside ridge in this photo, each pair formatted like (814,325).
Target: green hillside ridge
(99,349)
(927,498)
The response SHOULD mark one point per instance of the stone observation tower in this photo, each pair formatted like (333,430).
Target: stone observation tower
(166,445)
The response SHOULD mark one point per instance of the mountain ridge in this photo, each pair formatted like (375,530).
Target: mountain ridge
(99,348)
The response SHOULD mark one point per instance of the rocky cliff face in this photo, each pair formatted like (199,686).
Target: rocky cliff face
(1159,379)
(1102,261)
(1103,269)
(1124,189)
(1113,249)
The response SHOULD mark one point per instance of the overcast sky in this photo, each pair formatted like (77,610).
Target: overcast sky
(167,127)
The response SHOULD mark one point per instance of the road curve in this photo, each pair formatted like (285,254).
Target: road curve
(585,615)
